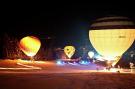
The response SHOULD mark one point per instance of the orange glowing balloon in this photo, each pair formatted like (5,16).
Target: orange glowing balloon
(30,45)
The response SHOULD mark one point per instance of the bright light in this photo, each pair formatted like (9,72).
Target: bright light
(30,45)
(59,62)
(72,63)
(109,58)
(84,62)
(99,58)
(91,54)
(69,51)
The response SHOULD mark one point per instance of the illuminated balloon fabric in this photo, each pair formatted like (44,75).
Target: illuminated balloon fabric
(30,45)
(90,54)
(69,51)
(112,36)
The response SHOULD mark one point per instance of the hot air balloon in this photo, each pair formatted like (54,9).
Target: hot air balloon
(112,36)
(30,45)
(90,54)
(69,51)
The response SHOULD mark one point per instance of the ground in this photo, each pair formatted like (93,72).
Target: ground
(62,77)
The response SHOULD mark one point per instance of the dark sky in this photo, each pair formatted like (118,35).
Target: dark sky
(66,23)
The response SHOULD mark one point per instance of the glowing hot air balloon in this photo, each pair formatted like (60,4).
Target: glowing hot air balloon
(112,36)
(30,45)
(69,51)
(90,54)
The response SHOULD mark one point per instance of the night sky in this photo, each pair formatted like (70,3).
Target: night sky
(67,24)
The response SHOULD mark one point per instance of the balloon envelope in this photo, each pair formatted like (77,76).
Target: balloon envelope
(30,45)
(112,39)
(91,54)
(69,51)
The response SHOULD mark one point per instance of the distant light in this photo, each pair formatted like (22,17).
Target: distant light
(99,58)
(73,63)
(84,62)
(59,62)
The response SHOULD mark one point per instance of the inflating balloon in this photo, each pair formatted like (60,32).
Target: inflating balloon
(90,54)
(69,51)
(30,45)
(112,36)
